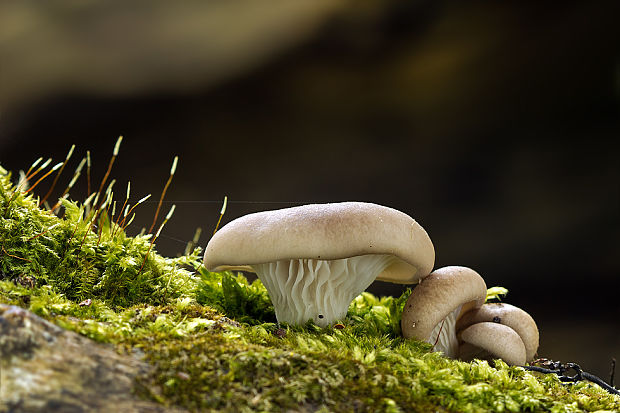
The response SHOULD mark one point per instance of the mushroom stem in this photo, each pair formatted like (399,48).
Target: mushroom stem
(318,290)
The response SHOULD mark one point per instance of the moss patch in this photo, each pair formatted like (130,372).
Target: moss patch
(213,340)
(83,255)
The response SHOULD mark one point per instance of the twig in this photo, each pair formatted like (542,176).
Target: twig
(559,369)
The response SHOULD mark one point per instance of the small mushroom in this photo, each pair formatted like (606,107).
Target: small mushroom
(314,259)
(491,340)
(503,314)
(431,312)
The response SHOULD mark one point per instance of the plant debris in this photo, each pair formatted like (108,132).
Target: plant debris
(560,369)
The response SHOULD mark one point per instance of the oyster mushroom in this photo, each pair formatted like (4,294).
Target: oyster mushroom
(502,314)
(314,259)
(431,312)
(491,340)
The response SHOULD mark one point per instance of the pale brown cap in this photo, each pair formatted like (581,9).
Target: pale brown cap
(324,232)
(437,295)
(496,339)
(510,316)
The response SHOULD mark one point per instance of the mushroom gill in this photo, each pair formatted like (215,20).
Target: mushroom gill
(318,290)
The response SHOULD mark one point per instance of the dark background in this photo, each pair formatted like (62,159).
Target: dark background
(495,125)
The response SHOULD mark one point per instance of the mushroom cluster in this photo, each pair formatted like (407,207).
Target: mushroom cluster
(315,259)
(447,310)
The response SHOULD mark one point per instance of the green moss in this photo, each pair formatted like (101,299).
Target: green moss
(212,337)
(496,293)
(233,295)
(204,360)
(79,262)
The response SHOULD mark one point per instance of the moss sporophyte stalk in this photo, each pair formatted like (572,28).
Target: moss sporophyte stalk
(212,338)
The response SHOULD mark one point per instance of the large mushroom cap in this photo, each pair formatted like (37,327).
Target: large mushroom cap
(437,302)
(325,232)
(314,259)
(509,315)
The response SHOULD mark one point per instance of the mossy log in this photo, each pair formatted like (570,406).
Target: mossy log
(46,368)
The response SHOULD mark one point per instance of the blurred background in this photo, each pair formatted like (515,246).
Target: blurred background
(494,124)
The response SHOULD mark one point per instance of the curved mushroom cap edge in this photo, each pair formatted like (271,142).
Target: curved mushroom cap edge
(324,232)
(509,315)
(497,339)
(437,295)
